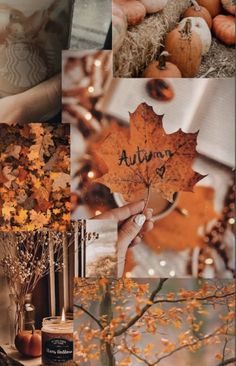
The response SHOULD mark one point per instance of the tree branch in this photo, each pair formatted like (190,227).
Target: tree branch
(185,346)
(140,358)
(89,314)
(144,309)
(207,298)
(191,344)
(151,299)
(227,362)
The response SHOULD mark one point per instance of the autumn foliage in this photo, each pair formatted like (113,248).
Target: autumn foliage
(34,177)
(147,157)
(126,322)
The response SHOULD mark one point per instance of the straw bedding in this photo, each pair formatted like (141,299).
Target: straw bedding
(143,41)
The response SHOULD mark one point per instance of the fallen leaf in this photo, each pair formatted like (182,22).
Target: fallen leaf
(38,130)
(7,211)
(3,178)
(61,180)
(27,198)
(41,194)
(47,142)
(14,151)
(21,217)
(22,175)
(39,219)
(148,158)
(7,171)
(177,231)
(43,205)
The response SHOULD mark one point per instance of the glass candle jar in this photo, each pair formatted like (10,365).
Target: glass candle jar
(32,36)
(29,313)
(57,342)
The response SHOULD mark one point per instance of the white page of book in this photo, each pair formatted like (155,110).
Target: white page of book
(127,94)
(215,120)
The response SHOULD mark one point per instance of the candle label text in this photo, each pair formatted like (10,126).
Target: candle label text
(58,350)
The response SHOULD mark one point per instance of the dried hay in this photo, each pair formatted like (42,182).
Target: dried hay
(219,62)
(143,41)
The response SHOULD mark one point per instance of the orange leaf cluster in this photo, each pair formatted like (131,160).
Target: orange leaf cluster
(34,177)
(147,312)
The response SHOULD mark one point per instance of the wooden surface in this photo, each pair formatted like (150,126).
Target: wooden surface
(13,353)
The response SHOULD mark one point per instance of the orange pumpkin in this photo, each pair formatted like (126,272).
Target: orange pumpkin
(134,11)
(198,11)
(224,28)
(162,69)
(229,5)
(185,49)
(160,89)
(213,6)
(29,343)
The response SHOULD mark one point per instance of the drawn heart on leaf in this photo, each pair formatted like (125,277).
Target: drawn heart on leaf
(147,157)
(161,171)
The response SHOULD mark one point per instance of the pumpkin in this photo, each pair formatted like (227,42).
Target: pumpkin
(229,5)
(224,28)
(117,10)
(153,6)
(134,11)
(213,6)
(201,28)
(185,49)
(161,68)
(198,11)
(28,343)
(119,27)
(160,89)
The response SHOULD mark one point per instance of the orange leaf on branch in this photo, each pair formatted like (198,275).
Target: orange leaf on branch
(147,158)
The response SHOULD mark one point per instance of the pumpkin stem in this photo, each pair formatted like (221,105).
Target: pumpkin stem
(186,32)
(196,6)
(33,328)
(162,60)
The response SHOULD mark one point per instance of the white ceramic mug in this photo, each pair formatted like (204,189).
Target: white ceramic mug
(32,36)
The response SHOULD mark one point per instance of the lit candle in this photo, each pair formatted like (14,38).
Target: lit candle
(57,341)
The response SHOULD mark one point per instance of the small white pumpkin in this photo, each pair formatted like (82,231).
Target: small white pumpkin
(119,27)
(117,10)
(153,6)
(134,11)
(199,26)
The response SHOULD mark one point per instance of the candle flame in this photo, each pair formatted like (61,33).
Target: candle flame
(63,315)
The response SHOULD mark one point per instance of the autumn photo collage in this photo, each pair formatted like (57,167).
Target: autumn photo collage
(117,182)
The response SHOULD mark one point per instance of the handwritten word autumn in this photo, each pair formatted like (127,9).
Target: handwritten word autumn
(141,156)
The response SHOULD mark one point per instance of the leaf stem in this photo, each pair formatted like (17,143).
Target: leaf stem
(147,198)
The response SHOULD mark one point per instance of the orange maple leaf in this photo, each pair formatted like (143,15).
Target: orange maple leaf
(148,158)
